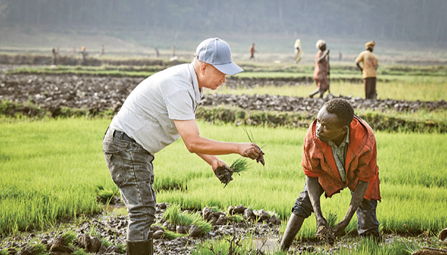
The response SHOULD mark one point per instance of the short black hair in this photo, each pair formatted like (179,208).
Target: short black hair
(342,109)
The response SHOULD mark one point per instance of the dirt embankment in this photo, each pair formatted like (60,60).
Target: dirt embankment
(97,94)
(105,93)
(73,60)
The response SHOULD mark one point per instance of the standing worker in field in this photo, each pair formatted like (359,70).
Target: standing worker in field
(339,151)
(157,112)
(298,51)
(321,69)
(252,51)
(83,55)
(369,70)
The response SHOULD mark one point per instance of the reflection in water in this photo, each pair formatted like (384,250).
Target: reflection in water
(266,244)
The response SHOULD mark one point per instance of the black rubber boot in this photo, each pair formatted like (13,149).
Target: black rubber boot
(140,248)
(293,226)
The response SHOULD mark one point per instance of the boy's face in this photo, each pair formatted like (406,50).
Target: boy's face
(328,126)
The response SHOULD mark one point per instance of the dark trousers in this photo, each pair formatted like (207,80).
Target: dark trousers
(367,223)
(370,88)
(131,169)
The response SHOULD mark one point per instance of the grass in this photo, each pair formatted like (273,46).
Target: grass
(51,170)
(361,247)
(174,215)
(418,88)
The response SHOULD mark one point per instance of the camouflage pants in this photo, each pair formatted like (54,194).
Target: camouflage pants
(131,169)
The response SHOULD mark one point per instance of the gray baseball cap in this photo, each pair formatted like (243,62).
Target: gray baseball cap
(217,52)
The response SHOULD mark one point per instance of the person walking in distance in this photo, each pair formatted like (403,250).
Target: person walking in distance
(339,152)
(321,71)
(298,51)
(155,114)
(252,51)
(369,67)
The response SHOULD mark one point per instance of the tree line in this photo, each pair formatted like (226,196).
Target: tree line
(416,20)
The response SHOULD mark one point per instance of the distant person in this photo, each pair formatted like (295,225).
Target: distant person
(252,51)
(157,53)
(369,69)
(321,71)
(83,55)
(340,56)
(156,113)
(298,51)
(54,53)
(339,151)
(102,50)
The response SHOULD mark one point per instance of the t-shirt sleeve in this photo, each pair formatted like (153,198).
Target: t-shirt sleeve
(180,105)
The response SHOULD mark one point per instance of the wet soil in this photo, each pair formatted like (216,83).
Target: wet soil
(99,93)
(110,228)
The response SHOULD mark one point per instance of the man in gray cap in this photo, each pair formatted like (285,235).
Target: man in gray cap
(157,112)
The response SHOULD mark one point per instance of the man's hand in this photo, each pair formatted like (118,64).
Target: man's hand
(223,172)
(339,230)
(251,150)
(326,234)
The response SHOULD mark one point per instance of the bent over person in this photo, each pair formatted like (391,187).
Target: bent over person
(156,113)
(339,151)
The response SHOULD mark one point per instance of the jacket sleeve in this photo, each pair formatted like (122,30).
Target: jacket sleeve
(311,164)
(367,168)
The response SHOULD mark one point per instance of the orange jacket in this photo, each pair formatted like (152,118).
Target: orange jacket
(361,160)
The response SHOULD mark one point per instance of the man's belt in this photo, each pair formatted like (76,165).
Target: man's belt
(122,135)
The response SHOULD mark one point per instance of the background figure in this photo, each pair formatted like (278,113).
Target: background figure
(54,53)
(321,69)
(102,50)
(83,55)
(157,53)
(369,69)
(252,51)
(298,51)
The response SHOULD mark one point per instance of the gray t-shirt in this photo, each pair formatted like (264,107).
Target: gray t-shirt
(149,112)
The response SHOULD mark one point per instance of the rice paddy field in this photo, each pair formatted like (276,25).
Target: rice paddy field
(53,170)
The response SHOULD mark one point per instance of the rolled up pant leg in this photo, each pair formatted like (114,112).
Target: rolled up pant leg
(131,169)
(367,223)
(303,207)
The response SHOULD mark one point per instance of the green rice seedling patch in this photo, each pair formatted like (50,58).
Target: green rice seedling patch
(174,215)
(55,167)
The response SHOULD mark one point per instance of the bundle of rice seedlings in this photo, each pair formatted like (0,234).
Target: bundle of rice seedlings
(68,237)
(239,165)
(170,235)
(38,249)
(174,215)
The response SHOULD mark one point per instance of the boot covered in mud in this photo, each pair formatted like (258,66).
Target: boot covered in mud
(293,226)
(141,247)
